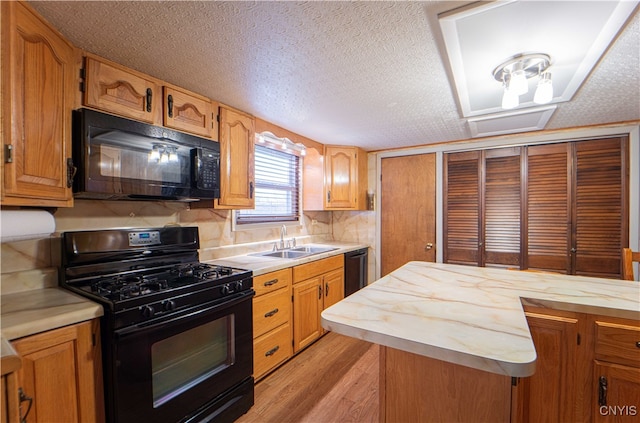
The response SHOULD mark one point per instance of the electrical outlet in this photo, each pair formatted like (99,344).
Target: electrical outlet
(314,222)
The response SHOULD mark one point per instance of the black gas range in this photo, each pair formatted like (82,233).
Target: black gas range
(176,333)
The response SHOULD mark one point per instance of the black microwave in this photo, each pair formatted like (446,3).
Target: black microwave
(118,158)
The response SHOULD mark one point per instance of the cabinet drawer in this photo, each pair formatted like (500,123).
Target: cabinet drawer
(618,343)
(270,311)
(318,267)
(272,281)
(271,349)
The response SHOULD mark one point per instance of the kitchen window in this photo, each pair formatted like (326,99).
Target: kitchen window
(277,188)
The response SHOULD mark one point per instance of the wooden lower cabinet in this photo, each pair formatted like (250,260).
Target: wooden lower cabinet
(61,373)
(550,395)
(587,370)
(316,286)
(287,307)
(616,370)
(271,321)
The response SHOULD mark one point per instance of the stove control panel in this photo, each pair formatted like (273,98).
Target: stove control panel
(138,239)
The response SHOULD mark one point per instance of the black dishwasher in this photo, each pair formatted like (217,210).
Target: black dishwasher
(355,270)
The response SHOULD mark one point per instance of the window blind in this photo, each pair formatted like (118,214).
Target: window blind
(277,188)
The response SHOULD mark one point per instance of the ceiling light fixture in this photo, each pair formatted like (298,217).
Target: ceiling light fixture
(283,143)
(515,73)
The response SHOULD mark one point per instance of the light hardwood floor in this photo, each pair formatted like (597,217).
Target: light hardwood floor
(333,380)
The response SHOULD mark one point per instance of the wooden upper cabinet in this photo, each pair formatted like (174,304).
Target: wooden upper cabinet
(187,111)
(38,85)
(116,89)
(237,138)
(345,175)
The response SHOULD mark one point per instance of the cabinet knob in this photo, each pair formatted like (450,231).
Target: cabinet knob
(428,246)
(638,344)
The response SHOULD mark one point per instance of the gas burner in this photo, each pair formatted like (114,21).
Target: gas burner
(127,286)
(201,271)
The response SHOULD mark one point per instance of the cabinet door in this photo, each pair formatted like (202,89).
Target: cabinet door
(550,394)
(121,91)
(60,372)
(341,180)
(237,183)
(187,112)
(333,287)
(616,393)
(462,208)
(307,306)
(38,80)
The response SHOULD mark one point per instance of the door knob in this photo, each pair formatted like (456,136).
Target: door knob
(428,246)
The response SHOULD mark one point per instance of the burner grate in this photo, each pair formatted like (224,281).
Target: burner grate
(127,286)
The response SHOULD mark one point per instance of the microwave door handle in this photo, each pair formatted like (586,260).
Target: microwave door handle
(197,163)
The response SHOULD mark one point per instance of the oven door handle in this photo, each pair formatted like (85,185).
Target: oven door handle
(186,314)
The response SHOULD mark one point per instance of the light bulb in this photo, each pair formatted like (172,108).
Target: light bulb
(154,155)
(544,91)
(510,99)
(518,81)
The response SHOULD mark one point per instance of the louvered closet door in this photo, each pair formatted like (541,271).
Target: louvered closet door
(502,203)
(600,215)
(548,207)
(462,201)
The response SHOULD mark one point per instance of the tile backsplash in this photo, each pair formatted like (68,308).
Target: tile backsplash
(217,239)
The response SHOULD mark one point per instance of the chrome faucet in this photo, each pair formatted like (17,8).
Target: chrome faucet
(283,232)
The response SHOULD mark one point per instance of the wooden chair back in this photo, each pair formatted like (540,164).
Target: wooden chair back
(628,258)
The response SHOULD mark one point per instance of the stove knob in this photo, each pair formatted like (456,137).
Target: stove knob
(169,305)
(147,311)
(239,286)
(226,290)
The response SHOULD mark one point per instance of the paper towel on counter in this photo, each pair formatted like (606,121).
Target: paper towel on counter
(17,225)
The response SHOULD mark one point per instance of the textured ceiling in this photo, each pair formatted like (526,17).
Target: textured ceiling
(371,74)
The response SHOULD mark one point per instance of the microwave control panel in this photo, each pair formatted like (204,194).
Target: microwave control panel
(207,163)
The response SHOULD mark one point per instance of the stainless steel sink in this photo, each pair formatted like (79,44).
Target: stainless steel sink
(313,250)
(289,254)
(296,252)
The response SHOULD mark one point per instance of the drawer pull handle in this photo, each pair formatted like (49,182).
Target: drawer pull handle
(271,282)
(272,351)
(271,313)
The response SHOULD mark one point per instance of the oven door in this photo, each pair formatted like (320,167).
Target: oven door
(170,369)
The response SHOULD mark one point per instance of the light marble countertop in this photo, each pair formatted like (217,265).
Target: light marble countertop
(38,310)
(261,265)
(471,316)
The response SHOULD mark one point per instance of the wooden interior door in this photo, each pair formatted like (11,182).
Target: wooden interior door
(408,210)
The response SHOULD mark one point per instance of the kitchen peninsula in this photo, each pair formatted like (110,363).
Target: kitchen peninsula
(455,339)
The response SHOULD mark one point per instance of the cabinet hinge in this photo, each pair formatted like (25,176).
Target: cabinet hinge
(514,381)
(579,339)
(8,153)
(82,77)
